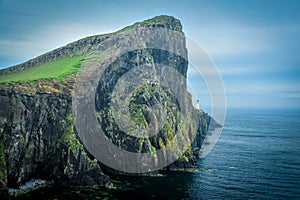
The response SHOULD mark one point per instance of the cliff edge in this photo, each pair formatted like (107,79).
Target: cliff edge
(38,138)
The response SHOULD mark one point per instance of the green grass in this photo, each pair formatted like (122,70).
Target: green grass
(69,136)
(54,69)
(2,167)
(59,68)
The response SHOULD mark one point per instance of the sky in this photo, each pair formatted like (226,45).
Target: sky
(254,44)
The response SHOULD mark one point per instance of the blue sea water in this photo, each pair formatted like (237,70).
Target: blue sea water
(257,157)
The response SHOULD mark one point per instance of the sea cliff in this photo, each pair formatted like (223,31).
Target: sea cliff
(38,138)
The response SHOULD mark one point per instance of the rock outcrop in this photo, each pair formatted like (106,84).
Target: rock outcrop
(38,137)
(36,125)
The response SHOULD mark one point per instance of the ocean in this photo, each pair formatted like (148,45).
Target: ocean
(256,157)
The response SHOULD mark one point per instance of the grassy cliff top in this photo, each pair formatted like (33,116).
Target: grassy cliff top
(54,69)
(67,59)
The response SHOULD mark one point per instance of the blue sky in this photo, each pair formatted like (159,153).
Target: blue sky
(254,44)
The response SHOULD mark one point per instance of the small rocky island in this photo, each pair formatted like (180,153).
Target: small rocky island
(38,139)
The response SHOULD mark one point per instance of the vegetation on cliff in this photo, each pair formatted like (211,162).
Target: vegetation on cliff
(75,50)
(36,127)
(69,136)
(3,178)
(144,117)
(53,69)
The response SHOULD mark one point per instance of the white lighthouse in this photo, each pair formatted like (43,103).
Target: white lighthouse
(198,104)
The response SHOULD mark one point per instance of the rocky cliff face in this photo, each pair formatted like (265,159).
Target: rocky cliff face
(36,125)
(38,138)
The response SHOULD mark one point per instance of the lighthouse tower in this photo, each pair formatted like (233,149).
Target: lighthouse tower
(198,104)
